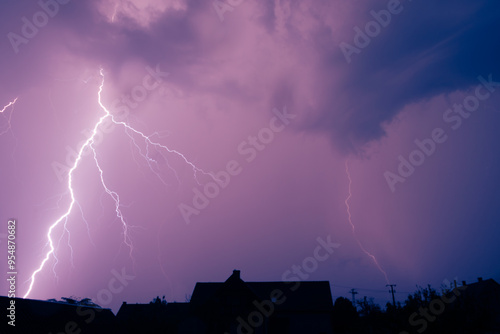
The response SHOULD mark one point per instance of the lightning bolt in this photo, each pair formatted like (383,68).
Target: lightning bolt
(371,256)
(8,105)
(9,117)
(89,144)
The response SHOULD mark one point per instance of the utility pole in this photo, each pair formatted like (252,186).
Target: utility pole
(353,293)
(392,292)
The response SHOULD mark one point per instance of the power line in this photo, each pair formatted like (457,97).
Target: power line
(366,289)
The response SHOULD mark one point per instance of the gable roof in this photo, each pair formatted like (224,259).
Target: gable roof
(485,292)
(483,286)
(309,296)
(203,292)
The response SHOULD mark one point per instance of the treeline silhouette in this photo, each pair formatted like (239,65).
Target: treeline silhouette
(467,309)
(235,306)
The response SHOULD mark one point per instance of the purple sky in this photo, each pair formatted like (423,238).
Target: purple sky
(234,74)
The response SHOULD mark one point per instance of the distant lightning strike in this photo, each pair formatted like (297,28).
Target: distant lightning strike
(374,259)
(9,117)
(89,143)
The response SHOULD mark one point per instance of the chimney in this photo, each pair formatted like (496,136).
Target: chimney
(479,279)
(236,274)
(464,283)
(455,283)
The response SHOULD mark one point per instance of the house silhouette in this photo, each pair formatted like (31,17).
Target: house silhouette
(53,317)
(235,306)
(478,306)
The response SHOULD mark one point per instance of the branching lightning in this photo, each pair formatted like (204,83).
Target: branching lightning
(116,198)
(89,144)
(50,242)
(371,256)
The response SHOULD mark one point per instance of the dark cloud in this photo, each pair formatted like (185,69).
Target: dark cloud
(427,50)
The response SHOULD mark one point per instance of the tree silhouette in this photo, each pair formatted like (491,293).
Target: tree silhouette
(345,316)
(158,301)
